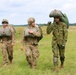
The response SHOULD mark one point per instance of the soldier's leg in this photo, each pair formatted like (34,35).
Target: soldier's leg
(55,50)
(4,53)
(10,52)
(62,56)
(55,55)
(28,55)
(35,55)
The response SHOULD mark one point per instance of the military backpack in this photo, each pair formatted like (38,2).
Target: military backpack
(63,17)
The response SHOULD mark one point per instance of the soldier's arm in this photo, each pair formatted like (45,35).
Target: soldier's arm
(49,28)
(22,42)
(65,30)
(38,33)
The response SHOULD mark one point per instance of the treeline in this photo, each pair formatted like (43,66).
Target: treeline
(71,24)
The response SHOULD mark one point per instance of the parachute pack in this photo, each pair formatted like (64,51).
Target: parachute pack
(26,34)
(63,17)
(5,32)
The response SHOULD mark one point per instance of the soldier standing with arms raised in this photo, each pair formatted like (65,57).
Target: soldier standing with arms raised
(7,41)
(31,33)
(60,34)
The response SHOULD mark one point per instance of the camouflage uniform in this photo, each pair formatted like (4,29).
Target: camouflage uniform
(6,45)
(59,40)
(31,43)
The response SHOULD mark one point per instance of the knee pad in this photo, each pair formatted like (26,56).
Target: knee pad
(55,59)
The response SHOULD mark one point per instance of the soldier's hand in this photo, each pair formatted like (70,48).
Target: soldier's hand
(49,23)
(12,44)
(22,48)
(30,31)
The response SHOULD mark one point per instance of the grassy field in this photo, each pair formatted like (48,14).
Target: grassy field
(45,64)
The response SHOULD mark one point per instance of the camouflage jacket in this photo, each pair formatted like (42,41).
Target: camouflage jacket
(59,31)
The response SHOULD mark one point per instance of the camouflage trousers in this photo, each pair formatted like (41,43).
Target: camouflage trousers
(57,51)
(7,51)
(32,54)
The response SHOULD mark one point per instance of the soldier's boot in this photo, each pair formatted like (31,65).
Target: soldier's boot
(55,68)
(10,61)
(55,60)
(61,66)
(62,62)
(5,64)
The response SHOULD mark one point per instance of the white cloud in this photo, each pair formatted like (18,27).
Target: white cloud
(18,11)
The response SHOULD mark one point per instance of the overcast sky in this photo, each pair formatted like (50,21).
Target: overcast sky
(18,11)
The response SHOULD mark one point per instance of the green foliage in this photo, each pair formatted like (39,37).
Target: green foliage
(45,64)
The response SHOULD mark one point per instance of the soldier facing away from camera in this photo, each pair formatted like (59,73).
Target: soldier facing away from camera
(60,34)
(7,41)
(30,39)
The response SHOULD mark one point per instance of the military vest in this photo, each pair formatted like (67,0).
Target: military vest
(5,32)
(26,32)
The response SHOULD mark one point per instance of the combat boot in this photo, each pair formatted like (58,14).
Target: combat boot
(61,66)
(56,69)
(4,65)
(10,61)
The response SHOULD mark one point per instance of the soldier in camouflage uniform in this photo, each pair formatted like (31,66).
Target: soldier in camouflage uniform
(7,43)
(60,34)
(31,42)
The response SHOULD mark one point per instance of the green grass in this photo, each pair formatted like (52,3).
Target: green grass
(45,64)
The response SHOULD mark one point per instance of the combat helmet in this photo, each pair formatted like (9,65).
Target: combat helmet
(31,20)
(5,20)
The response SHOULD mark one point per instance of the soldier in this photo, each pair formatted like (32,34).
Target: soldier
(30,39)
(7,41)
(60,34)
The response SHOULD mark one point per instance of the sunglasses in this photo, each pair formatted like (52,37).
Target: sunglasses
(4,22)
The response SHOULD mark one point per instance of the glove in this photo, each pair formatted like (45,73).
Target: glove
(49,23)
